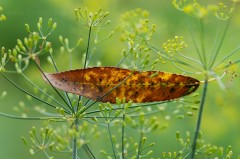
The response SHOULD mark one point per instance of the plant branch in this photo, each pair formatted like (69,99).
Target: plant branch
(74,140)
(140,146)
(194,42)
(89,150)
(28,118)
(202,44)
(226,57)
(33,84)
(220,44)
(52,85)
(110,136)
(86,59)
(123,134)
(65,93)
(199,119)
(37,98)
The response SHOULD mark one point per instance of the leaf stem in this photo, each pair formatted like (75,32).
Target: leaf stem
(199,119)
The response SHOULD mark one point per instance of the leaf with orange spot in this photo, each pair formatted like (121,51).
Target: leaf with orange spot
(105,84)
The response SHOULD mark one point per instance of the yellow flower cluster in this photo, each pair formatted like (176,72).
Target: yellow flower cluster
(193,8)
(174,45)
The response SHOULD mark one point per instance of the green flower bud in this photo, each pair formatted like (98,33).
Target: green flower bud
(4,94)
(60,38)
(66,41)
(25,41)
(48,46)
(40,20)
(31,151)
(177,135)
(27,27)
(35,36)
(39,26)
(79,41)
(54,26)
(50,22)
(108,22)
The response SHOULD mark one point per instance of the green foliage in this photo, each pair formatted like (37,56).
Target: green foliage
(51,140)
(204,150)
(135,32)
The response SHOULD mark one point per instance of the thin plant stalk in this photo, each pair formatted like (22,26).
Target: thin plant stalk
(140,146)
(30,118)
(40,69)
(202,45)
(110,135)
(74,141)
(65,93)
(194,42)
(37,98)
(89,151)
(220,44)
(34,85)
(88,46)
(123,134)
(86,58)
(199,119)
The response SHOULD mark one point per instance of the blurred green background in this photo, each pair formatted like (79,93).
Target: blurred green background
(220,124)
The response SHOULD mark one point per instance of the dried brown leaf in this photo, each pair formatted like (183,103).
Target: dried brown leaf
(105,84)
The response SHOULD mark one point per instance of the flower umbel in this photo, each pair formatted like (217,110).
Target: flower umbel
(173,46)
(91,19)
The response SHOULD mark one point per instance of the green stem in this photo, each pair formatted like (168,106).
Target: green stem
(194,42)
(220,44)
(65,93)
(226,57)
(88,46)
(202,45)
(35,97)
(140,146)
(29,118)
(34,85)
(123,134)
(132,107)
(86,59)
(90,153)
(40,69)
(110,135)
(74,141)
(199,117)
